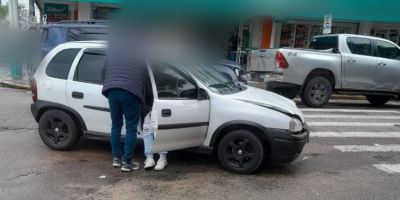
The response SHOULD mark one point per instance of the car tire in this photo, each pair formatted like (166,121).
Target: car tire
(377,100)
(58,130)
(241,152)
(317,92)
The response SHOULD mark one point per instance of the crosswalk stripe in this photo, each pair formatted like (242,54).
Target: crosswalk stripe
(389,168)
(350,117)
(356,134)
(368,148)
(347,110)
(352,124)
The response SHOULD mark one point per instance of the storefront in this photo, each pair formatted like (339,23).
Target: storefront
(387,31)
(54,11)
(298,33)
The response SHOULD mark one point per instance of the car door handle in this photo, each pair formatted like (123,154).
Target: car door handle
(166,113)
(351,60)
(77,95)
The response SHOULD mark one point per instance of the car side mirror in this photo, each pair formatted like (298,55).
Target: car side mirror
(335,50)
(202,94)
(237,72)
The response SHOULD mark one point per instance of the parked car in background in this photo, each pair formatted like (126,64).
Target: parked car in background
(194,106)
(344,63)
(69,31)
(233,70)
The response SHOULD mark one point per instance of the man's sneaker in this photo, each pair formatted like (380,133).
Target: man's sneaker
(149,163)
(129,167)
(116,162)
(161,164)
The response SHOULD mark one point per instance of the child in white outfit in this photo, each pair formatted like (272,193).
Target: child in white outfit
(148,138)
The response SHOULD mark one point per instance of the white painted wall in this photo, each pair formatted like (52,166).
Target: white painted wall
(276,34)
(256,33)
(84,11)
(364,28)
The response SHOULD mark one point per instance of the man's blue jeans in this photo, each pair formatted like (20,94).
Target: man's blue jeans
(123,104)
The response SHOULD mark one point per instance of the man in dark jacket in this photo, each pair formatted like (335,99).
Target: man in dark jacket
(125,81)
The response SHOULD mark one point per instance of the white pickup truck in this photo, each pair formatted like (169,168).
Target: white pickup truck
(343,63)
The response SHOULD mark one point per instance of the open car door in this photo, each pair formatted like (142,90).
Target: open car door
(179,117)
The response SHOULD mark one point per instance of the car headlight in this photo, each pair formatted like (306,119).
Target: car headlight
(295,125)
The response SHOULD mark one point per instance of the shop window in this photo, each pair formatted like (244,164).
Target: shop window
(387,50)
(287,35)
(360,46)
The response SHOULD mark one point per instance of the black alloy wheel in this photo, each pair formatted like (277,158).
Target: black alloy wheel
(58,130)
(241,152)
(317,92)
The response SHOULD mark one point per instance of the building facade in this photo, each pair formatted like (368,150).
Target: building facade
(54,11)
(297,33)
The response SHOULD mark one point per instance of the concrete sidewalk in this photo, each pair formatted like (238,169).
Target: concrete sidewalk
(7,81)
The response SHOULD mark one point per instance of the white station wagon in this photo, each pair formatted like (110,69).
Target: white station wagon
(194,106)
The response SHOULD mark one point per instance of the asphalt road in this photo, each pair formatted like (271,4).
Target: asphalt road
(353,154)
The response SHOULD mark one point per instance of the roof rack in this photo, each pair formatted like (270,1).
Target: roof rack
(83,22)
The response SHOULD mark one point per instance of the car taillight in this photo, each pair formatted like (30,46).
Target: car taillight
(281,60)
(34,90)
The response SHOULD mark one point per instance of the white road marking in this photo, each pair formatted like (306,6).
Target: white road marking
(389,168)
(357,134)
(350,117)
(347,110)
(352,124)
(368,148)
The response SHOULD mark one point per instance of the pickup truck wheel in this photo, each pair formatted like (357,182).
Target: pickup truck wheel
(58,130)
(241,152)
(317,92)
(378,100)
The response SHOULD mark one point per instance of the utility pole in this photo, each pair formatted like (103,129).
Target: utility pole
(13,13)
(31,8)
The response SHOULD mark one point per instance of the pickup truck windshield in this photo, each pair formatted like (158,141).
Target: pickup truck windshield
(324,43)
(215,80)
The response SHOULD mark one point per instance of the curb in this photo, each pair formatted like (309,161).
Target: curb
(348,97)
(15,85)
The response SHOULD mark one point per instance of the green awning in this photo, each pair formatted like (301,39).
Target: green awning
(357,10)
(91,1)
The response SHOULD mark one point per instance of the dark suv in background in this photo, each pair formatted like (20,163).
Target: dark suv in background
(69,31)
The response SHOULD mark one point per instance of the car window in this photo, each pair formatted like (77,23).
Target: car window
(387,50)
(172,83)
(360,46)
(73,34)
(227,72)
(324,43)
(95,36)
(60,65)
(90,67)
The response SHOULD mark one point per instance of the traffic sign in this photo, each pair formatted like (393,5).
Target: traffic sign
(327,24)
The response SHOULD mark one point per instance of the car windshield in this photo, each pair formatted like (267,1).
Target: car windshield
(215,80)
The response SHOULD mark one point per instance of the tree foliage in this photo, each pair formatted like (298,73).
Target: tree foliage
(3,12)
